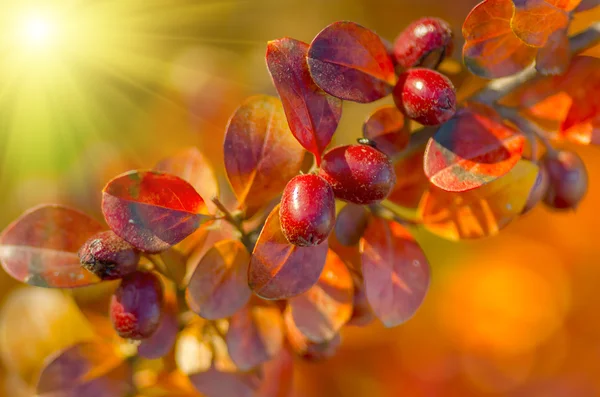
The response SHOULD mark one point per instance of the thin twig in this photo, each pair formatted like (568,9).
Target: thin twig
(234,221)
(532,130)
(499,88)
(384,210)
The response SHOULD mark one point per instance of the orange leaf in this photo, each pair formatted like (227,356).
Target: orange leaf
(151,210)
(192,166)
(491,48)
(320,312)
(481,212)
(555,56)
(40,247)
(261,154)
(255,335)
(472,149)
(87,368)
(387,128)
(534,21)
(412,181)
(303,347)
(312,114)
(395,270)
(219,285)
(280,270)
(362,314)
(278,376)
(351,62)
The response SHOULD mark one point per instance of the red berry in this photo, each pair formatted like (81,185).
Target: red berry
(307,211)
(425,96)
(136,305)
(359,174)
(538,191)
(109,256)
(425,42)
(568,179)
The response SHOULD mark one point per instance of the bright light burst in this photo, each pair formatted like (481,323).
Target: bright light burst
(70,68)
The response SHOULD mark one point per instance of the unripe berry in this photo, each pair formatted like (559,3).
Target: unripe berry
(359,174)
(136,305)
(307,211)
(108,256)
(568,179)
(425,42)
(538,191)
(425,96)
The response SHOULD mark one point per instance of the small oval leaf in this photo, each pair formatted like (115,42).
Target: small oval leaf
(350,224)
(554,58)
(219,285)
(87,368)
(481,212)
(471,150)
(492,49)
(303,347)
(395,270)
(312,114)
(192,166)
(387,128)
(351,62)
(160,343)
(255,335)
(413,182)
(151,210)
(215,383)
(534,21)
(320,312)
(261,154)
(280,270)
(40,247)
(278,376)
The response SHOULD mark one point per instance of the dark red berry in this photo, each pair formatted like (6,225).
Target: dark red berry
(425,96)
(538,191)
(109,256)
(307,211)
(136,305)
(425,42)
(568,179)
(359,174)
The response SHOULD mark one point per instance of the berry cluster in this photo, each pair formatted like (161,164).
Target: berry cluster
(220,301)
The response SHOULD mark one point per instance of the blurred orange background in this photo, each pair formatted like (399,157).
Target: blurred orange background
(513,315)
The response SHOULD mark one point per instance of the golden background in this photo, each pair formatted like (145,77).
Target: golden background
(128,82)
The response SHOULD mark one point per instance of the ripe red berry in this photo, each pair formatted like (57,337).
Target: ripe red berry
(359,174)
(307,211)
(538,191)
(568,179)
(109,256)
(425,42)
(136,305)
(425,96)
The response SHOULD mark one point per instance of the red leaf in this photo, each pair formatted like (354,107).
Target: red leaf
(87,368)
(312,114)
(396,271)
(261,155)
(362,314)
(320,312)
(280,270)
(387,128)
(152,211)
(255,335)
(534,21)
(162,340)
(413,182)
(491,48)
(278,376)
(192,166)
(351,223)
(215,383)
(40,247)
(303,347)
(481,212)
(471,150)
(219,285)
(351,62)
(555,56)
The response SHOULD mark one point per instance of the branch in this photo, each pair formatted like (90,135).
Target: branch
(499,88)
(529,128)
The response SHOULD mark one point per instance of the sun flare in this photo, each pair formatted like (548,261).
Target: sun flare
(38,31)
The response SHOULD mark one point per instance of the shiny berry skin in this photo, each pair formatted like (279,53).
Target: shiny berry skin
(538,191)
(136,305)
(359,174)
(307,211)
(568,179)
(108,256)
(425,96)
(425,42)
